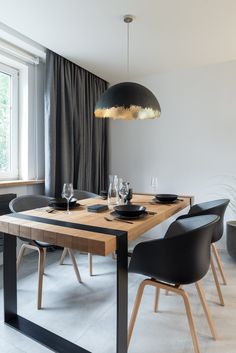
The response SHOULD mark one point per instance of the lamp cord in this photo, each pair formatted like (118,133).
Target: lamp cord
(128,19)
(128,50)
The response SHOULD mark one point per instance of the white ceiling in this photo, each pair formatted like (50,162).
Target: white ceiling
(166,35)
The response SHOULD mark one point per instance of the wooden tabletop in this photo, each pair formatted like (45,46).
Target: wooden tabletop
(95,243)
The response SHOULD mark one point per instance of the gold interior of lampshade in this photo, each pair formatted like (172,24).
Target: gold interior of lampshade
(131,113)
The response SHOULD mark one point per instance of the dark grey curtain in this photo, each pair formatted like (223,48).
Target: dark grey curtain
(75,141)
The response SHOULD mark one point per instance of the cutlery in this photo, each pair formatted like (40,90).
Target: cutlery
(145,202)
(50,211)
(110,219)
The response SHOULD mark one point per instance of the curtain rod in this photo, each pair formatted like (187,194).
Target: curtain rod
(14,50)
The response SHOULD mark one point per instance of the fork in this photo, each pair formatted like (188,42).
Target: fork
(110,219)
(50,210)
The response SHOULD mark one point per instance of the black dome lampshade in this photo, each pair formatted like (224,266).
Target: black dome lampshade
(128,101)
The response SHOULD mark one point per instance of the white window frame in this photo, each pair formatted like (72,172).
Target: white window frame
(14,132)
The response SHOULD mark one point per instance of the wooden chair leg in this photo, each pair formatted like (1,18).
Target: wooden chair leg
(156,301)
(167,292)
(74,265)
(22,250)
(64,253)
(40,276)
(136,308)
(20,255)
(219,263)
(206,309)
(189,313)
(190,320)
(90,262)
(44,258)
(217,282)
(41,264)
(170,288)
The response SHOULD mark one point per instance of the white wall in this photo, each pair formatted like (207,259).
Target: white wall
(191,148)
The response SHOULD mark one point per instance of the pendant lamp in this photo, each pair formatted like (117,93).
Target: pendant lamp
(128,100)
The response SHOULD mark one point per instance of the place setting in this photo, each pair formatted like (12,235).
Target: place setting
(161,198)
(60,204)
(165,199)
(129,212)
(66,202)
(119,198)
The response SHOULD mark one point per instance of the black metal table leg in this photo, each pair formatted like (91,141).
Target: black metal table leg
(122,294)
(28,328)
(9,277)
(41,335)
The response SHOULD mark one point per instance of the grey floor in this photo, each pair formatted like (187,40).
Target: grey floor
(85,313)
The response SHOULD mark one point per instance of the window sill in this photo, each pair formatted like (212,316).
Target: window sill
(10,183)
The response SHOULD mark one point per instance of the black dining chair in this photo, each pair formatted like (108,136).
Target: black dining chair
(25,203)
(80,195)
(29,202)
(217,207)
(180,258)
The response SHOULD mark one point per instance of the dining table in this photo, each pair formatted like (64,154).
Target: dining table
(87,232)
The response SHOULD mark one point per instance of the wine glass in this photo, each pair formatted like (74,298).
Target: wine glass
(67,193)
(123,191)
(154,185)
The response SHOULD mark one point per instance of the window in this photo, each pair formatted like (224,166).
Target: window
(22,72)
(8,122)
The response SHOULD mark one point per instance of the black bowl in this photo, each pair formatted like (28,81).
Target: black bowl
(61,203)
(166,197)
(130,210)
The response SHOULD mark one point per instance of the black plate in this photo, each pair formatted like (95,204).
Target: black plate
(130,210)
(166,197)
(164,202)
(117,215)
(61,204)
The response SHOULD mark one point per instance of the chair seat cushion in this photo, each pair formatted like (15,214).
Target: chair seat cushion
(41,244)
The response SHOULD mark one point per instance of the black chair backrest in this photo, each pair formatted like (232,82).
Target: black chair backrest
(217,207)
(83,194)
(28,202)
(182,257)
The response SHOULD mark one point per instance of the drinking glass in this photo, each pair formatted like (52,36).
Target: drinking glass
(123,191)
(67,193)
(154,185)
